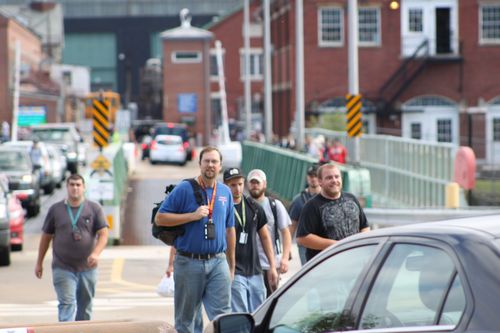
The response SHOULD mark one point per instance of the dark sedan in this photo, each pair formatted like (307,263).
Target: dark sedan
(430,277)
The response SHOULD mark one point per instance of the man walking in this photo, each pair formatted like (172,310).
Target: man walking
(204,260)
(278,223)
(329,216)
(73,224)
(299,201)
(248,290)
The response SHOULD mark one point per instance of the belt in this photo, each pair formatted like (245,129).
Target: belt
(199,256)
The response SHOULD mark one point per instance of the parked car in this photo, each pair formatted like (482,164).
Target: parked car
(175,129)
(47,178)
(430,277)
(58,163)
(4,223)
(168,148)
(16,221)
(15,163)
(65,136)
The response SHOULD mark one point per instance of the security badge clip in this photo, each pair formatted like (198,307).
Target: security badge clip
(243,238)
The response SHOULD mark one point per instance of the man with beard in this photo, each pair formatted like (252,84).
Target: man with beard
(300,200)
(279,230)
(248,289)
(329,216)
(204,261)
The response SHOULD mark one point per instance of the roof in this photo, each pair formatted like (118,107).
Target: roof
(186,33)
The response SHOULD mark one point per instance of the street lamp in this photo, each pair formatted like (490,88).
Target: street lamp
(394,5)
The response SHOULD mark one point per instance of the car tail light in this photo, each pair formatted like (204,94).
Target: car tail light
(22,196)
(144,146)
(185,145)
(153,145)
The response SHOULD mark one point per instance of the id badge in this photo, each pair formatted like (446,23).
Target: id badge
(243,238)
(77,235)
(209,231)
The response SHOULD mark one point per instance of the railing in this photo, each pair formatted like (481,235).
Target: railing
(404,172)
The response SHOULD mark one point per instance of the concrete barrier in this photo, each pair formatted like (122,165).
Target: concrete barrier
(156,326)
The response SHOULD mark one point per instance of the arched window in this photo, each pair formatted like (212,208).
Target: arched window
(495,101)
(429,101)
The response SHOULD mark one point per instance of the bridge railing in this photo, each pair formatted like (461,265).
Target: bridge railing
(404,172)
(286,171)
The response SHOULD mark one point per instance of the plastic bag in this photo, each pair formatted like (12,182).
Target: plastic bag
(166,286)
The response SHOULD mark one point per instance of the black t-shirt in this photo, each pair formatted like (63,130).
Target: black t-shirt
(333,219)
(247,256)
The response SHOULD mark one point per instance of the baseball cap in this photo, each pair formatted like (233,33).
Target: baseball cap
(231,173)
(258,175)
(313,170)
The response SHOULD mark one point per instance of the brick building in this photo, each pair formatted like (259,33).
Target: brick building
(428,70)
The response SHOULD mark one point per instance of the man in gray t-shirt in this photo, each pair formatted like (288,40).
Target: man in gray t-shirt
(78,231)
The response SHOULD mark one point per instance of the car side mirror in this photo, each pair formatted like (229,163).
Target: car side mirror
(233,322)
(37,167)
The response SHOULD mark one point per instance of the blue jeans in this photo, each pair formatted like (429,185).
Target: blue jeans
(247,293)
(75,292)
(302,254)
(198,281)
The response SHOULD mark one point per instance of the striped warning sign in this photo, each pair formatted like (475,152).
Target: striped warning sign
(100,120)
(354,124)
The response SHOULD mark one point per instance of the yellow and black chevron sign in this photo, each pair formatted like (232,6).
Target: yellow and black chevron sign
(100,120)
(354,124)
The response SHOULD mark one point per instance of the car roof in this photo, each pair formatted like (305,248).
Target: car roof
(54,125)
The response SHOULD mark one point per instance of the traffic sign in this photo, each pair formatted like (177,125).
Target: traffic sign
(354,124)
(100,163)
(100,119)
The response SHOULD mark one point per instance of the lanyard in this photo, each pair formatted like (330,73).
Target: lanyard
(210,202)
(74,219)
(244,222)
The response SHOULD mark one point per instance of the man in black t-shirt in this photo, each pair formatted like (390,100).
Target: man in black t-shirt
(247,289)
(329,216)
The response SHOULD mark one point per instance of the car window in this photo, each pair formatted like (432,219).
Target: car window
(315,302)
(411,287)
(170,141)
(13,160)
(53,135)
(180,131)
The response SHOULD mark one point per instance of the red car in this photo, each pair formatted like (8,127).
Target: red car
(16,219)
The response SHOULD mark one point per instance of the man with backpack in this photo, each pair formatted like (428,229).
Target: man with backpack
(278,223)
(204,261)
(248,289)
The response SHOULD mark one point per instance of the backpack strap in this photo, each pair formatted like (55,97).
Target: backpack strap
(253,206)
(197,190)
(272,202)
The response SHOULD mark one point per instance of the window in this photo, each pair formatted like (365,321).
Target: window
(496,129)
(490,23)
(369,26)
(315,302)
(444,131)
(186,57)
(415,20)
(331,26)
(214,72)
(256,64)
(409,289)
(416,131)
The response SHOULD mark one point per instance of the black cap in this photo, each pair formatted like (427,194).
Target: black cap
(231,173)
(313,170)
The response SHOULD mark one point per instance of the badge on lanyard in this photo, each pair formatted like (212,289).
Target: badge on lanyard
(209,226)
(77,235)
(243,238)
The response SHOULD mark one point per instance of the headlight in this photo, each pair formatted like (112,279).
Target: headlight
(27,179)
(71,155)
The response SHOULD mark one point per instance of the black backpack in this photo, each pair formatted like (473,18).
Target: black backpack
(168,234)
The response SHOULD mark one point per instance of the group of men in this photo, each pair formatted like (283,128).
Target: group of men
(233,249)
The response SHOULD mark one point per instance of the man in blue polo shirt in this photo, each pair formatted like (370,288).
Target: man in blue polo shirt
(204,263)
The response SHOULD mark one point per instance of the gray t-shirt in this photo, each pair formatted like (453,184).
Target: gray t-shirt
(68,253)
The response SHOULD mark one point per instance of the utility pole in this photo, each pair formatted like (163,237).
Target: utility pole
(299,73)
(353,62)
(268,102)
(246,55)
(17,81)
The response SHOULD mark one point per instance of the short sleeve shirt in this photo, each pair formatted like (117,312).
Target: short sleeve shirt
(333,219)
(298,203)
(182,200)
(68,253)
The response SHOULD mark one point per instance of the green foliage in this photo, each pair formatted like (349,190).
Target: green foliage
(331,121)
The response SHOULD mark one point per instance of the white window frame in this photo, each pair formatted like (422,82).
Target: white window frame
(323,43)
(449,123)
(195,60)
(483,40)
(495,129)
(378,38)
(421,10)
(255,53)
(419,124)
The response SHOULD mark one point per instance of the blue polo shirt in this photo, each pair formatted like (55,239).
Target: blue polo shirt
(182,200)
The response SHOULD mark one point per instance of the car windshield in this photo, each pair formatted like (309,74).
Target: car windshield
(13,160)
(172,131)
(52,135)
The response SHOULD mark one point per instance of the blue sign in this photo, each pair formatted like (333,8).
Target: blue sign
(187,103)
(31,115)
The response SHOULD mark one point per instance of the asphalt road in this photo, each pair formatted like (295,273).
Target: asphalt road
(128,273)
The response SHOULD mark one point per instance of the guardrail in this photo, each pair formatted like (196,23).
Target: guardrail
(286,171)
(404,172)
